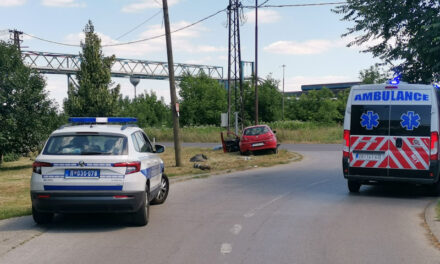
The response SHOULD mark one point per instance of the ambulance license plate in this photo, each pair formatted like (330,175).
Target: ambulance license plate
(369,156)
(258,144)
(80,174)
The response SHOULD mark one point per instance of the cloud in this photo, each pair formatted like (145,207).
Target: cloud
(302,48)
(146,4)
(318,46)
(12,2)
(294,83)
(183,41)
(62,3)
(265,16)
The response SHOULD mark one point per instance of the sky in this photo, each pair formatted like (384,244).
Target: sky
(305,39)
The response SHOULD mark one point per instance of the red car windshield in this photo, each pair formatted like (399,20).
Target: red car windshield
(255,131)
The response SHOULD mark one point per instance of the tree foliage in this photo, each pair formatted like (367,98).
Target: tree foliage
(203,99)
(269,101)
(26,115)
(372,75)
(321,106)
(408,32)
(146,107)
(94,95)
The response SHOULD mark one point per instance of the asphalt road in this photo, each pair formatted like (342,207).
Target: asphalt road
(296,213)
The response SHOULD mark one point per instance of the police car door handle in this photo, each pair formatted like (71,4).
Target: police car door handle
(399,142)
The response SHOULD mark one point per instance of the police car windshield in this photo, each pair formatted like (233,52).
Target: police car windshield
(86,145)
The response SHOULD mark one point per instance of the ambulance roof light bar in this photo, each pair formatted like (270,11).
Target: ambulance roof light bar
(395,80)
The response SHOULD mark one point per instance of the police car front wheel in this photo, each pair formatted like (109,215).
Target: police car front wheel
(353,186)
(163,191)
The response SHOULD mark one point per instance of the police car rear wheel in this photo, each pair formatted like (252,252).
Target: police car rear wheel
(140,218)
(163,191)
(40,217)
(353,186)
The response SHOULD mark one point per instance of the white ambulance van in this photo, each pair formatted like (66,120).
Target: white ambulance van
(391,133)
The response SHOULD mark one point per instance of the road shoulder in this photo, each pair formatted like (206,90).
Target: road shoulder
(432,224)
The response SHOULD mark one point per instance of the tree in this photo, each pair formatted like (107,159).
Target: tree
(321,106)
(94,95)
(147,109)
(203,99)
(408,32)
(269,101)
(26,115)
(372,75)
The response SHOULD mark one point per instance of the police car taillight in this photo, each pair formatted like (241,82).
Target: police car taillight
(36,166)
(131,167)
(346,148)
(434,146)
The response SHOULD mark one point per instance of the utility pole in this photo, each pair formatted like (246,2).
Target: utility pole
(15,37)
(256,62)
(175,113)
(284,66)
(235,72)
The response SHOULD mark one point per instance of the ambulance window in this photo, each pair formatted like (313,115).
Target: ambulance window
(412,120)
(369,119)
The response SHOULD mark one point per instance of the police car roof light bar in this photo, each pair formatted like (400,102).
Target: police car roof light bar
(101,120)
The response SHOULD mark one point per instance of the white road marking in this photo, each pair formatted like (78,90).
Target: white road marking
(262,206)
(236,229)
(226,248)
(319,182)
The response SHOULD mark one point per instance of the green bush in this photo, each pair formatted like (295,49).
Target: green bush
(11,157)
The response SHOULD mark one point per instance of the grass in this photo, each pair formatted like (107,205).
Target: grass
(287,132)
(15,176)
(220,162)
(14,188)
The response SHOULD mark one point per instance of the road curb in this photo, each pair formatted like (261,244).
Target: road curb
(432,224)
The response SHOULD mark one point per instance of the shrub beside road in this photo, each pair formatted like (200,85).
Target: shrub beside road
(15,176)
(287,132)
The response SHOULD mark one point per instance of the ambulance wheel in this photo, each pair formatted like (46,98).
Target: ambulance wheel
(353,186)
(40,217)
(163,191)
(141,216)
(436,188)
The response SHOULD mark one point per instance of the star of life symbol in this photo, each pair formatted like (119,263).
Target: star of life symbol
(369,120)
(410,120)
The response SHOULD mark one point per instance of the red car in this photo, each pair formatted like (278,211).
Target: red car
(258,138)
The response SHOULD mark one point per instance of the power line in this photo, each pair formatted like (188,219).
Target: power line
(297,5)
(135,41)
(136,27)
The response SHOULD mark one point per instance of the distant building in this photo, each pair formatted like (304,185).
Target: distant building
(335,87)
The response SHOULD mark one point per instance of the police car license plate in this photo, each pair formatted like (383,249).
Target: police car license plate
(81,174)
(258,144)
(369,156)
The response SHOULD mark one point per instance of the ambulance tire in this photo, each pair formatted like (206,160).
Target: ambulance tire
(141,216)
(40,217)
(436,189)
(353,186)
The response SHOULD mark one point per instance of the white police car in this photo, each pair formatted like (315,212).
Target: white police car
(391,133)
(95,165)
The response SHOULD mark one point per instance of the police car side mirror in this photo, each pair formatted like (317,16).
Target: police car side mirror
(159,148)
